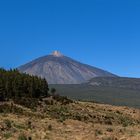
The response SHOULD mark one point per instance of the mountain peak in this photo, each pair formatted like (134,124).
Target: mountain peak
(57,54)
(60,69)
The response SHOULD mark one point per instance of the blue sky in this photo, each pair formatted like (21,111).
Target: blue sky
(102,33)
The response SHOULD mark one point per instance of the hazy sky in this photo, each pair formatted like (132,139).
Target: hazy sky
(102,33)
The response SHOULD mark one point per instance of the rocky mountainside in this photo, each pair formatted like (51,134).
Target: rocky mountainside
(60,69)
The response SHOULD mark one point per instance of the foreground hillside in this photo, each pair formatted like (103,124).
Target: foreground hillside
(67,120)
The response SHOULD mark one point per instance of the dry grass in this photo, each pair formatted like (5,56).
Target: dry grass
(74,121)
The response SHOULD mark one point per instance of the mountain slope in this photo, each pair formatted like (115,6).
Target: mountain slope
(59,69)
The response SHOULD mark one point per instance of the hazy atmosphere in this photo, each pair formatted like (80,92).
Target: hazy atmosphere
(102,33)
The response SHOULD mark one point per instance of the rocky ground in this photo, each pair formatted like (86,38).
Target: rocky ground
(72,121)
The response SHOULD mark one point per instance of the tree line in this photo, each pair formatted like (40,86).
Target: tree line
(14,84)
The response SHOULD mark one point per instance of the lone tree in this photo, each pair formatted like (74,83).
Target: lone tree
(53,91)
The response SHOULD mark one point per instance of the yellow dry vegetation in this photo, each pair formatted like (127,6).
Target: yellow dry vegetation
(75,121)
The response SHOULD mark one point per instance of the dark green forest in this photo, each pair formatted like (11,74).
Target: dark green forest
(15,85)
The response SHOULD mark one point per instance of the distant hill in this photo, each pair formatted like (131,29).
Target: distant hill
(116,82)
(60,69)
(108,90)
(102,94)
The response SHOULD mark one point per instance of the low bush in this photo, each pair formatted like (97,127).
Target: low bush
(50,127)
(8,123)
(7,108)
(7,135)
(31,103)
(22,137)
(109,129)
(62,100)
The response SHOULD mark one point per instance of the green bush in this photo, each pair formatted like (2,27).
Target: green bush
(27,102)
(62,100)
(109,129)
(6,108)
(29,123)
(22,137)
(98,132)
(7,135)
(50,127)
(8,123)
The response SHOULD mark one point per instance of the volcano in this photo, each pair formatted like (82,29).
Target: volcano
(57,68)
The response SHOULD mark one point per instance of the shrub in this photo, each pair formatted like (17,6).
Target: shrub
(4,108)
(98,132)
(50,127)
(78,117)
(30,138)
(8,123)
(62,119)
(109,129)
(22,137)
(29,123)
(108,122)
(62,100)
(19,126)
(27,102)
(7,135)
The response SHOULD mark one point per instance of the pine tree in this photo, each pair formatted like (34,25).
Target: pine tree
(14,84)
(2,91)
